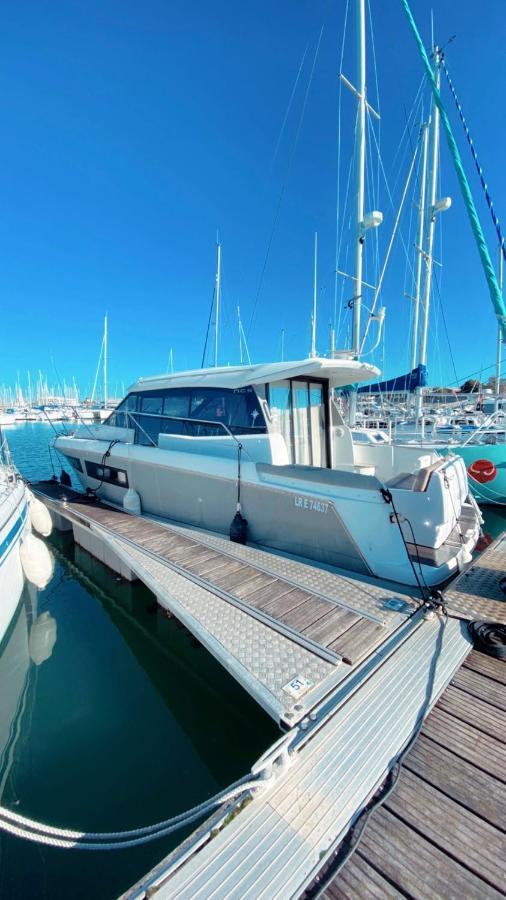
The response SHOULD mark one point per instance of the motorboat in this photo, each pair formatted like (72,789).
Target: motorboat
(269,440)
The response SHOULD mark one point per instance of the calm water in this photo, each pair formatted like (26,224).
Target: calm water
(126,723)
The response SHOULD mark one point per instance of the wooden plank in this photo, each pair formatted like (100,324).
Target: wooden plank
(487,665)
(415,865)
(163,546)
(261,582)
(230,582)
(332,625)
(105,517)
(470,840)
(481,793)
(198,553)
(483,751)
(307,613)
(476,712)
(261,598)
(206,561)
(179,553)
(221,567)
(481,686)
(144,535)
(283,603)
(359,639)
(358,880)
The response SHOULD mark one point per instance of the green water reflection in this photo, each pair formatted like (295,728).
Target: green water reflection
(127,722)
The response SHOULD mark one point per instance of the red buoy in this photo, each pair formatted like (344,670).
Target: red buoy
(482,470)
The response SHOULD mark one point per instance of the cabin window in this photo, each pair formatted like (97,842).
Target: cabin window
(301,426)
(317,424)
(280,405)
(151,405)
(120,416)
(107,473)
(158,412)
(75,462)
(298,411)
(238,410)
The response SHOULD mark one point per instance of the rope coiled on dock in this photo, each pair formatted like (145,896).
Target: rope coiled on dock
(40,833)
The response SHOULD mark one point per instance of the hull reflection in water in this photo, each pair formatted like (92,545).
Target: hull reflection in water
(120,722)
(28,644)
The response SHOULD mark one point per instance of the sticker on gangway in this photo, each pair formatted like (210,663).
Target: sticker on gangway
(298,686)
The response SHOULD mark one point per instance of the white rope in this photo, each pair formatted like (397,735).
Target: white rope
(40,833)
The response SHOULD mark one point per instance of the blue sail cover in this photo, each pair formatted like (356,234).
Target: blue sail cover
(414,379)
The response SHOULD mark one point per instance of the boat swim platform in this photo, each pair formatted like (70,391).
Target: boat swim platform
(441,832)
(289,632)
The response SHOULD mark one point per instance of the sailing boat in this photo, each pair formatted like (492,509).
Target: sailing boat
(90,411)
(268,442)
(484,449)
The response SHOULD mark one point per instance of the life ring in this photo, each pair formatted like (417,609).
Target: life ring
(482,470)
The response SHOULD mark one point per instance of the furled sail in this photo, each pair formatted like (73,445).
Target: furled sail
(414,379)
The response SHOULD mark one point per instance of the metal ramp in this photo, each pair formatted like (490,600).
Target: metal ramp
(277,844)
(287,631)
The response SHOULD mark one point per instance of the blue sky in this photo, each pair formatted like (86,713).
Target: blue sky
(132,132)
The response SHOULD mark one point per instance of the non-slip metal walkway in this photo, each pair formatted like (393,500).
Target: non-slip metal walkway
(289,632)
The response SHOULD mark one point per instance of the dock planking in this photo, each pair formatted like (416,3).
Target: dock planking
(341,632)
(442,832)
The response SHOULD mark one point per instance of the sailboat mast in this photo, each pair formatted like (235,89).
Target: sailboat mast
(430,222)
(419,244)
(217,302)
(105,361)
(360,163)
(315,296)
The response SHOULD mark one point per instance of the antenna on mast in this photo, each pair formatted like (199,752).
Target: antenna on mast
(105,361)
(217,300)
(315,296)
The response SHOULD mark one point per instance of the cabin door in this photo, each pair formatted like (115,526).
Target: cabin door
(299,412)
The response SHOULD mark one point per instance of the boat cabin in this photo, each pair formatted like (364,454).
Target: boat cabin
(287,399)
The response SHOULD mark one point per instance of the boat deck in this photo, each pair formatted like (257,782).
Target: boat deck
(289,632)
(442,831)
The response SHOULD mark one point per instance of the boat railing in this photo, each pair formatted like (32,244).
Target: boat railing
(483,426)
(187,421)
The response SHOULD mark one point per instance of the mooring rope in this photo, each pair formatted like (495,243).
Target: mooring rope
(66,838)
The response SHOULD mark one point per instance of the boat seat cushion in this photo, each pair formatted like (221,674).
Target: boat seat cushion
(303,477)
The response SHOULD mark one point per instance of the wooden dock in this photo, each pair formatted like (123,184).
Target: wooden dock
(442,831)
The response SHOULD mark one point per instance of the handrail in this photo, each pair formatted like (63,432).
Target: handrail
(482,426)
(186,419)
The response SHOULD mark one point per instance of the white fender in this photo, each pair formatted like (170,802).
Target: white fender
(42,638)
(37,561)
(132,502)
(40,516)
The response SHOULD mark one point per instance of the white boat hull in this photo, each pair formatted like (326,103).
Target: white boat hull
(14,525)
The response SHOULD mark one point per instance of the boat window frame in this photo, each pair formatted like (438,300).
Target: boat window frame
(323,382)
(192,423)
